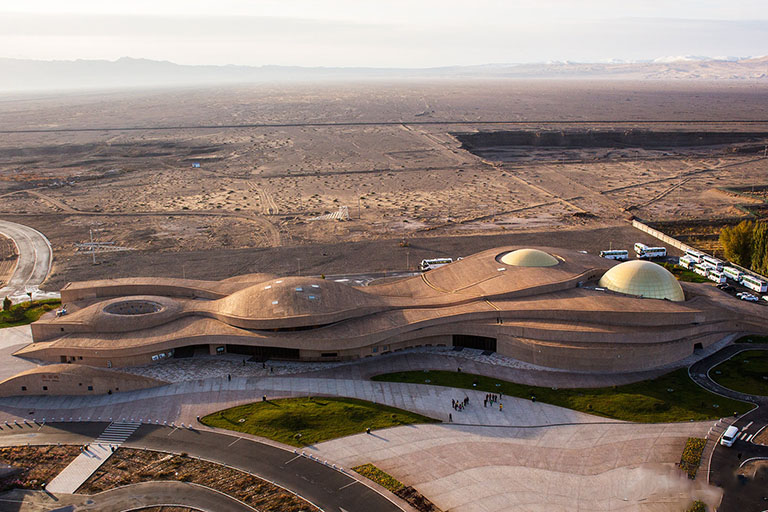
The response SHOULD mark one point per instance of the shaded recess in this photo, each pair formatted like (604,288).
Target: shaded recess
(521,145)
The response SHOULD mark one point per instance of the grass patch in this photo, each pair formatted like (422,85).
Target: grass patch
(306,421)
(683,274)
(649,401)
(385,480)
(26,312)
(691,458)
(697,506)
(746,372)
(752,339)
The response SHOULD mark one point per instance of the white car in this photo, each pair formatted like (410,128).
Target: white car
(749,297)
(729,436)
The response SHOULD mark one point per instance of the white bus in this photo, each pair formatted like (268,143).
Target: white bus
(733,273)
(754,283)
(643,251)
(713,262)
(434,263)
(694,255)
(615,254)
(716,276)
(701,269)
(686,262)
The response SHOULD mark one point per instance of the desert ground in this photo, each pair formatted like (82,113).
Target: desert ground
(121,166)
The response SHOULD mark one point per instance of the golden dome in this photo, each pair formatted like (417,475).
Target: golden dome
(529,258)
(644,279)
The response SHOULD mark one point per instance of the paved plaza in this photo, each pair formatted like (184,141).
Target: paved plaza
(618,466)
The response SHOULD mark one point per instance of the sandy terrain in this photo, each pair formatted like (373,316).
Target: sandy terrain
(259,187)
(7,259)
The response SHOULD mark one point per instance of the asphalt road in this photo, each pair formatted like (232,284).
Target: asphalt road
(389,123)
(741,493)
(148,494)
(327,488)
(34,262)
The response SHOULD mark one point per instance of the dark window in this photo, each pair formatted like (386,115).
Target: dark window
(117,389)
(23,388)
(62,329)
(329,354)
(79,383)
(80,357)
(90,388)
(45,388)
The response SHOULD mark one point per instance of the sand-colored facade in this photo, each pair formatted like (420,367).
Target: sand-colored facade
(548,315)
(73,379)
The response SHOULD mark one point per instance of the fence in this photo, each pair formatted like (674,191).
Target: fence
(683,247)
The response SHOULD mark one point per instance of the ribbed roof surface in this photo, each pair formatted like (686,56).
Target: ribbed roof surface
(644,279)
(529,258)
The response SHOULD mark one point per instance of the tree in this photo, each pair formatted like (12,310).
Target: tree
(759,260)
(737,242)
(6,304)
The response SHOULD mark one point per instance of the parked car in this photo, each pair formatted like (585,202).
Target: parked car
(748,297)
(725,287)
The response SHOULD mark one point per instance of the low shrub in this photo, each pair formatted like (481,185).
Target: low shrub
(691,458)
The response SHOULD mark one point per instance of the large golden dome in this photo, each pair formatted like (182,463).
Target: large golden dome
(644,279)
(529,258)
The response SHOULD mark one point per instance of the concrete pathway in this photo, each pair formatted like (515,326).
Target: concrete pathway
(95,454)
(619,466)
(183,402)
(11,340)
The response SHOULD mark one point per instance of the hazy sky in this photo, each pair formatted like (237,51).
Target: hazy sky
(384,33)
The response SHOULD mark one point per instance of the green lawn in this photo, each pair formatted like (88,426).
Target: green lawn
(26,312)
(316,419)
(751,338)
(382,478)
(746,372)
(683,274)
(669,398)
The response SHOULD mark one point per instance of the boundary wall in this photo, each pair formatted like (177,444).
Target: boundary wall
(684,247)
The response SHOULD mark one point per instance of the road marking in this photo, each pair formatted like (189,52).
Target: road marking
(750,437)
(351,483)
(233,442)
(748,425)
(293,459)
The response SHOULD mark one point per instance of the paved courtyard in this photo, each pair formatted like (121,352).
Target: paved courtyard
(608,467)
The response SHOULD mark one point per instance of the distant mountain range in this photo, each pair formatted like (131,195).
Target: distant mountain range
(35,75)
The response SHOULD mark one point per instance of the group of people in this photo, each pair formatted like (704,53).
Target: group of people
(459,405)
(492,398)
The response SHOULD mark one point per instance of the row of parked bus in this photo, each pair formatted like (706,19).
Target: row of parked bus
(719,271)
(642,251)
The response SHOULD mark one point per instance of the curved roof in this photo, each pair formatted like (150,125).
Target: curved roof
(529,258)
(644,279)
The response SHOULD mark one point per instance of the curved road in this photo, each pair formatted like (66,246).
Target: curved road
(741,494)
(327,488)
(151,494)
(33,264)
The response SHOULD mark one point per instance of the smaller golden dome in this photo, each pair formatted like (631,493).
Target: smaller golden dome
(529,258)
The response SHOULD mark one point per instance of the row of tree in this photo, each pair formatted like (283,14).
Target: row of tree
(746,244)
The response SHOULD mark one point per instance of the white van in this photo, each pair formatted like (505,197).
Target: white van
(730,435)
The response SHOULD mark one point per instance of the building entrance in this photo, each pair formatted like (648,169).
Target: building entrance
(478,342)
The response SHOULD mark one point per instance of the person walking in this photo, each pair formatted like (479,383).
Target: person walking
(450,418)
